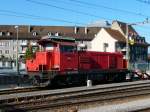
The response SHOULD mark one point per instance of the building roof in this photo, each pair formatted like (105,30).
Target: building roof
(116,34)
(123,27)
(36,32)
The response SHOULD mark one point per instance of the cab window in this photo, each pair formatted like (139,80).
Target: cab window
(67,48)
(49,47)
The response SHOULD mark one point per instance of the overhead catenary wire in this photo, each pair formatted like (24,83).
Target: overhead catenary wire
(67,9)
(84,13)
(144,1)
(141,24)
(35,17)
(106,7)
(143,29)
(97,6)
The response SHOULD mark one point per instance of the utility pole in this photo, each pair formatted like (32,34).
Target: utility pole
(127,39)
(17,49)
(127,46)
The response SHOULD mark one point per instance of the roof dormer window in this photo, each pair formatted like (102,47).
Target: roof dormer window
(35,33)
(49,33)
(56,34)
(8,33)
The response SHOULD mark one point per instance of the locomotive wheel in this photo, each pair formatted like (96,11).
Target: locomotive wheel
(57,82)
(36,81)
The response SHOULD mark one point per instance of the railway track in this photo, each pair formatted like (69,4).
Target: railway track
(19,90)
(73,96)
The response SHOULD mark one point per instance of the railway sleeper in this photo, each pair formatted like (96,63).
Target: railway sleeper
(83,98)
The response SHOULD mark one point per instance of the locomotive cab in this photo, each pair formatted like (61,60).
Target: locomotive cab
(62,52)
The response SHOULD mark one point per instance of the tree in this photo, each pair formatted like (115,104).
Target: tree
(29,53)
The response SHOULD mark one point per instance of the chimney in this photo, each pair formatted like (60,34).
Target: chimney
(75,30)
(85,30)
(29,29)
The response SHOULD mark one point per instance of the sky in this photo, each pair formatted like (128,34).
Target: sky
(75,12)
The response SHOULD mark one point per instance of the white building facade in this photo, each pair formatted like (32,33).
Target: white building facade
(103,42)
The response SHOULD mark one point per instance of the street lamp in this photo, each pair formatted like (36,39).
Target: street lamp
(17,64)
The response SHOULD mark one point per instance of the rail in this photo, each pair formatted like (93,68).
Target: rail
(73,96)
(18,90)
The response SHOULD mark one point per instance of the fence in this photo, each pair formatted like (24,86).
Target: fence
(140,66)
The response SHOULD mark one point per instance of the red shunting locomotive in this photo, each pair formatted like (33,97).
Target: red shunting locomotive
(59,62)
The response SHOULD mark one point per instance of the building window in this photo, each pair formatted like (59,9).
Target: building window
(6,51)
(14,56)
(6,43)
(3,64)
(56,34)
(105,46)
(1,51)
(1,44)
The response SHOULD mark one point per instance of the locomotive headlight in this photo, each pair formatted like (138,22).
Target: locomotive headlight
(56,66)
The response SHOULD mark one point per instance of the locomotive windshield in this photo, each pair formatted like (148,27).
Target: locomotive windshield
(49,47)
(67,48)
